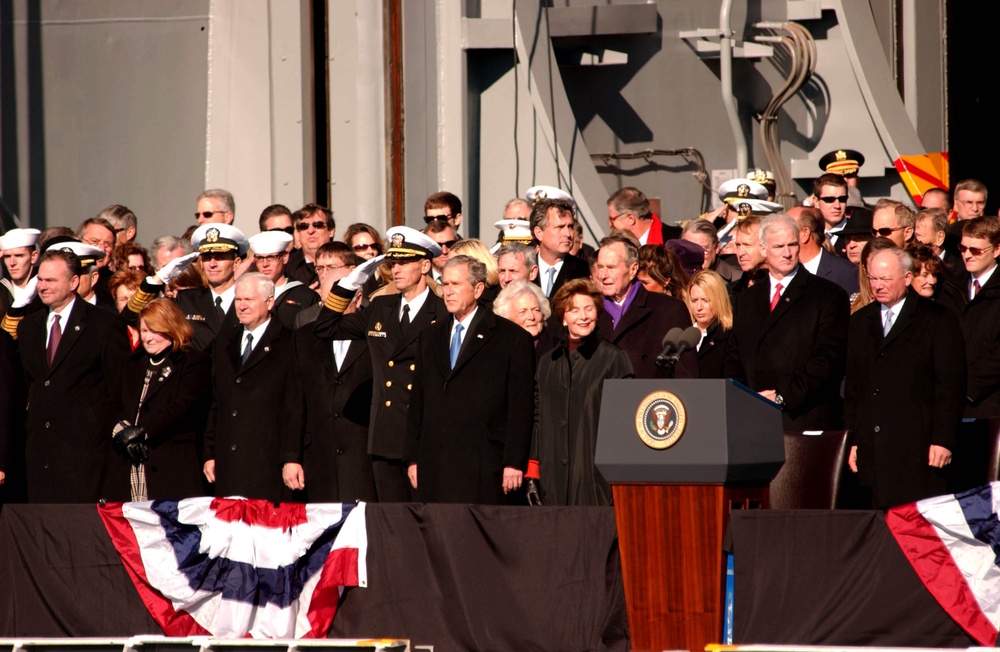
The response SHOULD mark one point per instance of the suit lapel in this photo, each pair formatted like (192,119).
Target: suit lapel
(427,315)
(479,333)
(263,348)
(206,307)
(792,293)
(164,372)
(354,351)
(902,322)
(636,312)
(71,330)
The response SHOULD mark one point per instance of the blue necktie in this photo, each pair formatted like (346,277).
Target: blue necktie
(456,344)
(247,349)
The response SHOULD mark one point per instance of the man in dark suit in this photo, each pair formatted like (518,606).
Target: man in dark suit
(931,229)
(905,387)
(72,354)
(470,420)
(629,210)
(337,389)
(552,228)
(633,319)
(814,257)
(390,324)
(210,310)
(254,433)
(980,288)
(789,337)
(830,197)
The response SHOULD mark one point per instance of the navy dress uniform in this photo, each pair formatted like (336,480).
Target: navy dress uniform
(198,304)
(392,345)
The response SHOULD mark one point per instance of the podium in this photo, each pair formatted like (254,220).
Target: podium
(680,454)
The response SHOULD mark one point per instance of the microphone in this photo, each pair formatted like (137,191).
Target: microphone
(670,343)
(688,341)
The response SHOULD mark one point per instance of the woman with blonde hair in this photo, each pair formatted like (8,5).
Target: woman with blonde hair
(164,402)
(479,251)
(711,311)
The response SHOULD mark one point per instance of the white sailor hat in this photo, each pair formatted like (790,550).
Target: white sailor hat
(268,243)
(16,238)
(219,238)
(739,189)
(514,230)
(89,255)
(750,206)
(405,242)
(536,194)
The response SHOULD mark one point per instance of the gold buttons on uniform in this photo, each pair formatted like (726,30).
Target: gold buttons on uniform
(388,403)
(391,363)
(409,387)
(413,367)
(388,383)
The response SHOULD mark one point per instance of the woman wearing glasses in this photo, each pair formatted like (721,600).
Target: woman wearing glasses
(366,243)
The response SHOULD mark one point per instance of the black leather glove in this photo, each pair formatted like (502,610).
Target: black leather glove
(533,489)
(130,441)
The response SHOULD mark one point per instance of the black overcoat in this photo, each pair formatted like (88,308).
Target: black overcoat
(255,423)
(173,415)
(199,309)
(799,349)
(981,327)
(71,405)
(712,352)
(904,392)
(466,424)
(641,329)
(338,404)
(564,441)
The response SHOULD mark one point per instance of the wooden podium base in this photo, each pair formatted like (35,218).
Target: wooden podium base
(670,538)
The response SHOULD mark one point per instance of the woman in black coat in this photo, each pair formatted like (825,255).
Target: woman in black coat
(570,381)
(173,412)
(711,311)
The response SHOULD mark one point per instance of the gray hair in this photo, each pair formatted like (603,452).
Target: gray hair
(475,269)
(704,227)
(224,196)
(529,254)
(169,243)
(501,305)
(516,200)
(263,285)
(627,240)
(904,258)
(775,221)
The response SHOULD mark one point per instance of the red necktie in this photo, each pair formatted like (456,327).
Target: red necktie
(776,297)
(54,336)
(976,287)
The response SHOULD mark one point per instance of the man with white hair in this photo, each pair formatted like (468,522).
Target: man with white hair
(789,338)
(254,432)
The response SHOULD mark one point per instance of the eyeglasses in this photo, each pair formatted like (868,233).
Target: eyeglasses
(290,230)
(304,226)
(885,231)
(444,218)
(829,200)
(329,268)
(271,258)
(207,214)
(975,251)
(367,245)
(449,244)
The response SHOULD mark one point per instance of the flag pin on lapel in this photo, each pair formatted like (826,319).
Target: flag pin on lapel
(479,335)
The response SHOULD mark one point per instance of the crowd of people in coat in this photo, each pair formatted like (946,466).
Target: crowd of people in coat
(419,365)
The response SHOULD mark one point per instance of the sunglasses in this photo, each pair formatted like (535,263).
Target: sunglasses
(290,230)
(367,245)
(304,226)
(449,244)
(885,231)
(207,214)
(444,218)
(829,200)
(975,251)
